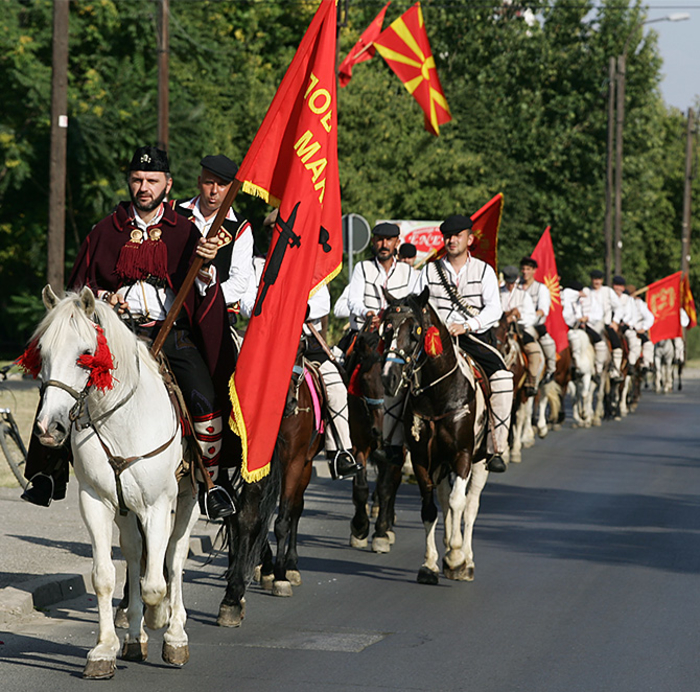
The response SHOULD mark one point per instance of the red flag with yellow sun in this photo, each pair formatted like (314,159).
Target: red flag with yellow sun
(664,300)
(405,47)
(688,302)
(546,273)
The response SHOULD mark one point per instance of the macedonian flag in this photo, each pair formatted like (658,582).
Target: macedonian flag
(405,47)
(292,163)
(664,300)
(547,274)
(688,302)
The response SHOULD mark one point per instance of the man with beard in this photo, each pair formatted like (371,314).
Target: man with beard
(370,277)
(136,259)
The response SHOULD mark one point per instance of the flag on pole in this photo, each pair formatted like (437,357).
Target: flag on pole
(664,301)
(405,47)
(363,49)
(547,274)
(292,163)
(688,302)
(485,225)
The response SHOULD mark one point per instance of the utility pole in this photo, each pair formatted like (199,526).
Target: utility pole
(163,73)
(56,238)
(609,174)
(685,233)
(619,126)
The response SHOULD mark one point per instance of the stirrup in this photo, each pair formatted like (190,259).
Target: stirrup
(32,489)
(231,504)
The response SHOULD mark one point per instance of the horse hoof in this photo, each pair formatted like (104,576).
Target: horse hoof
(375,512)
(135,651)
(381,544)
(515,458)
(230,616)
(257,574)
(266,581)
(176,655)
(556,427)
(120,620)
(282,588)
(427,576)
(102,669)
(391,536)
(293,577)
(529,443)
(458,573)
(358,542)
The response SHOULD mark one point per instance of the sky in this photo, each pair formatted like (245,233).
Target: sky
(679,45)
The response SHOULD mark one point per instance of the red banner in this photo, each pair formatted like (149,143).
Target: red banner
(688,302)
(293,163)
(664,301)
(485,225)
(406,49)
(547,274)
(363,49)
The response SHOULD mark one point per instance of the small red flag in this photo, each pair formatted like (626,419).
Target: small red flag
(688,302)
(363,49)
(405,47)
(293,162)
(664,301)
(547,274)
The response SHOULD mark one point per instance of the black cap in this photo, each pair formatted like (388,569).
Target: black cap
(150,159)
(597,274)
(386,230)
(407,250)
(576,285)
(220,165)
(619,280)
(455,224)
(510,273)
(528,262)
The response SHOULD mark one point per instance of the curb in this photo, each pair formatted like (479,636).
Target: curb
(18,602)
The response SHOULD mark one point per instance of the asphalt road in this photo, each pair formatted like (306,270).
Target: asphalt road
(587,569)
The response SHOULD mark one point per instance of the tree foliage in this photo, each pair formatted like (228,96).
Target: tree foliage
(529,105)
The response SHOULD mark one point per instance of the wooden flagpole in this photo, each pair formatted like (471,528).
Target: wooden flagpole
(194,269)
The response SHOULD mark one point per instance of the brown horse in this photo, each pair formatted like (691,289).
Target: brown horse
(445,426)
(298,442)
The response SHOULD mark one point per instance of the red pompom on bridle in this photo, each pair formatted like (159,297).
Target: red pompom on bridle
(433,342)
(100,365)
(30,360)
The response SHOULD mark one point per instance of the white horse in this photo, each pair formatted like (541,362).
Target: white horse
(663,365)
(583,363)
(127,445)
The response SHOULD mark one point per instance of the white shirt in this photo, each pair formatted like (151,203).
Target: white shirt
(241,270)
(516,297)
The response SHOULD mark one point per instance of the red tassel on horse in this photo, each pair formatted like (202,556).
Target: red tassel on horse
(100,365)
(30,360)
(354,385)
(432,342)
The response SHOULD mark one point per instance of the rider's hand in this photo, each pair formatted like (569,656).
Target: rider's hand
(114,299)
(207,249)
(456,329)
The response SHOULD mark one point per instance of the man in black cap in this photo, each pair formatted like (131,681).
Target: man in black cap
(234,260)
(366,297)
(601,321)
(136,260)
(465,292)
(407,253)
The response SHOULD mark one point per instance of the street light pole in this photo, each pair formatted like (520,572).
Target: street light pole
(619,127)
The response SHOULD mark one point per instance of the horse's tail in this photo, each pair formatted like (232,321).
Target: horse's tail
(248,530)
(552,391)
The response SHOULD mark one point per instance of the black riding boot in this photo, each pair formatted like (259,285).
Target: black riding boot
(51,483)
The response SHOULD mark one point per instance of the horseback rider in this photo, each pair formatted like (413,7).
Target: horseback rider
(465,292)
(604,304)
(626,317)
(337,440)
(542,300)
(234,260)
(643,322)
(520,311)
(135,259)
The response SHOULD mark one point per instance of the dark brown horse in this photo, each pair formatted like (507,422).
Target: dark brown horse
(298,442)
(445,427)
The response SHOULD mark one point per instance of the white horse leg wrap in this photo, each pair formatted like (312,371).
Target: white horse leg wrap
(648,354)
(501,404)
(679,349)
(337,406)
(635,344)
(208,431)
(616,369)
(549,348)
(601,356)
(534,361)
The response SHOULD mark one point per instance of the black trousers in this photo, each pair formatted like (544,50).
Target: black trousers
(486,356)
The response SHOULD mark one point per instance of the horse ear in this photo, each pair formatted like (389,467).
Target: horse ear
(424,296)
(49,297)
(389,298)
(87,301)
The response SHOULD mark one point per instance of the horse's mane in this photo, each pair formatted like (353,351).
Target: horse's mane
(52,334)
